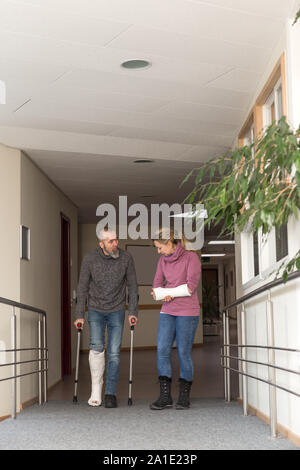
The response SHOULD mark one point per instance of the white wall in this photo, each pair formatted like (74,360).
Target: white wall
(10,176)
(286,299)
(41,206)
(146,331)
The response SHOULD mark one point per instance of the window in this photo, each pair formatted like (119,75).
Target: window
(25,243)
(273,111)
(273,107)
(259,255)
(249,136)
(281,242)
(250,242)
(255,254)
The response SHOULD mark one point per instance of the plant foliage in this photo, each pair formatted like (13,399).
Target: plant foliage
(297,17)
(256,186)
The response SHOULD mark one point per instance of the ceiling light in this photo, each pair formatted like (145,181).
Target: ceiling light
(2,92)
(213,255)
(136,64)
(224,242)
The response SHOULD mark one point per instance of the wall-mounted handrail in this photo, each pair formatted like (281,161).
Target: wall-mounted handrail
(13,303)
(243,347)
(261,290)
(42,349)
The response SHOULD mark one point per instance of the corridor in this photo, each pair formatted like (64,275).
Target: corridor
(210,423)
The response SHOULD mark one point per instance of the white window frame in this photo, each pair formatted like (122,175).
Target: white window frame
(273,98)
(247,238)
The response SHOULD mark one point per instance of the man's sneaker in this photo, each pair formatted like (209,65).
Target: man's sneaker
(110,401)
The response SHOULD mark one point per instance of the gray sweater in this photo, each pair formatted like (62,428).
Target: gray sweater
(103,282)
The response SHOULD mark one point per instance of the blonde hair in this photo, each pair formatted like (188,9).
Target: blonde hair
(165,235)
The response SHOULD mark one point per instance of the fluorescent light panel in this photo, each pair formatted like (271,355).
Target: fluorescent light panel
(212,255)
(219,242)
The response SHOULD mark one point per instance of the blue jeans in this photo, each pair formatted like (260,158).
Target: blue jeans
(115,324)
(183,329)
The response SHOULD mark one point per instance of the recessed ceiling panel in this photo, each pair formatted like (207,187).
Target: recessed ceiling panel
(190,48)
(155,88)
(210,114)
(66,26)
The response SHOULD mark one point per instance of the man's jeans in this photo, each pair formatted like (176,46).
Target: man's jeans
(183,329)
(115,324)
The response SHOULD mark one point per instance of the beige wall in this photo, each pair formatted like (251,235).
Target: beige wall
(41,206)
(285,298)
(10,171)
(146,332)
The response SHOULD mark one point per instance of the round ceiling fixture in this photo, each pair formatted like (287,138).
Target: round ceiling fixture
(136,64)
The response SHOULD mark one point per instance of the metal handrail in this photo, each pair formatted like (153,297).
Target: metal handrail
(265,364)
(261,347)
(13,303)
(42,352)
(268,382)
(242,351)
(17,363)
(261,290)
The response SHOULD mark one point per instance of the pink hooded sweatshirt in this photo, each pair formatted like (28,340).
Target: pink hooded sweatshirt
(182,267)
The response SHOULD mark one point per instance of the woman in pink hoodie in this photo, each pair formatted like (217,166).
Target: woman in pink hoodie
(179,317)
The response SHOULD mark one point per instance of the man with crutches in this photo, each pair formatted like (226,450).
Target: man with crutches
(104,275)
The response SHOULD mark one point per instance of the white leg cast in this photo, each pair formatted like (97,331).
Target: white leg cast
(97,366)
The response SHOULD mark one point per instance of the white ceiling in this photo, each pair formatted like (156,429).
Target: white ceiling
(69,100)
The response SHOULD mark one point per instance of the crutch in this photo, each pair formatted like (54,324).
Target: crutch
(130,366)
(79,329)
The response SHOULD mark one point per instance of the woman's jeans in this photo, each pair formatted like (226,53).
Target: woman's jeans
(183,329)
(115,324)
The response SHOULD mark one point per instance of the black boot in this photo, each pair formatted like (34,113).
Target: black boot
(110,401)
(165,399)
(183,401)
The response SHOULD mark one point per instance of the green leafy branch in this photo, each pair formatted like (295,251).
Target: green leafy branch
(256,186)
(297,17)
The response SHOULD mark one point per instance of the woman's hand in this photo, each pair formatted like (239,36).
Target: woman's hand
(168,298)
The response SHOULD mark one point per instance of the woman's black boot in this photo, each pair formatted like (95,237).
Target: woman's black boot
(183,401)
(165,399)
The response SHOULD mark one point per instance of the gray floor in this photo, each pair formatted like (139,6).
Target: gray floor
(209,424)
